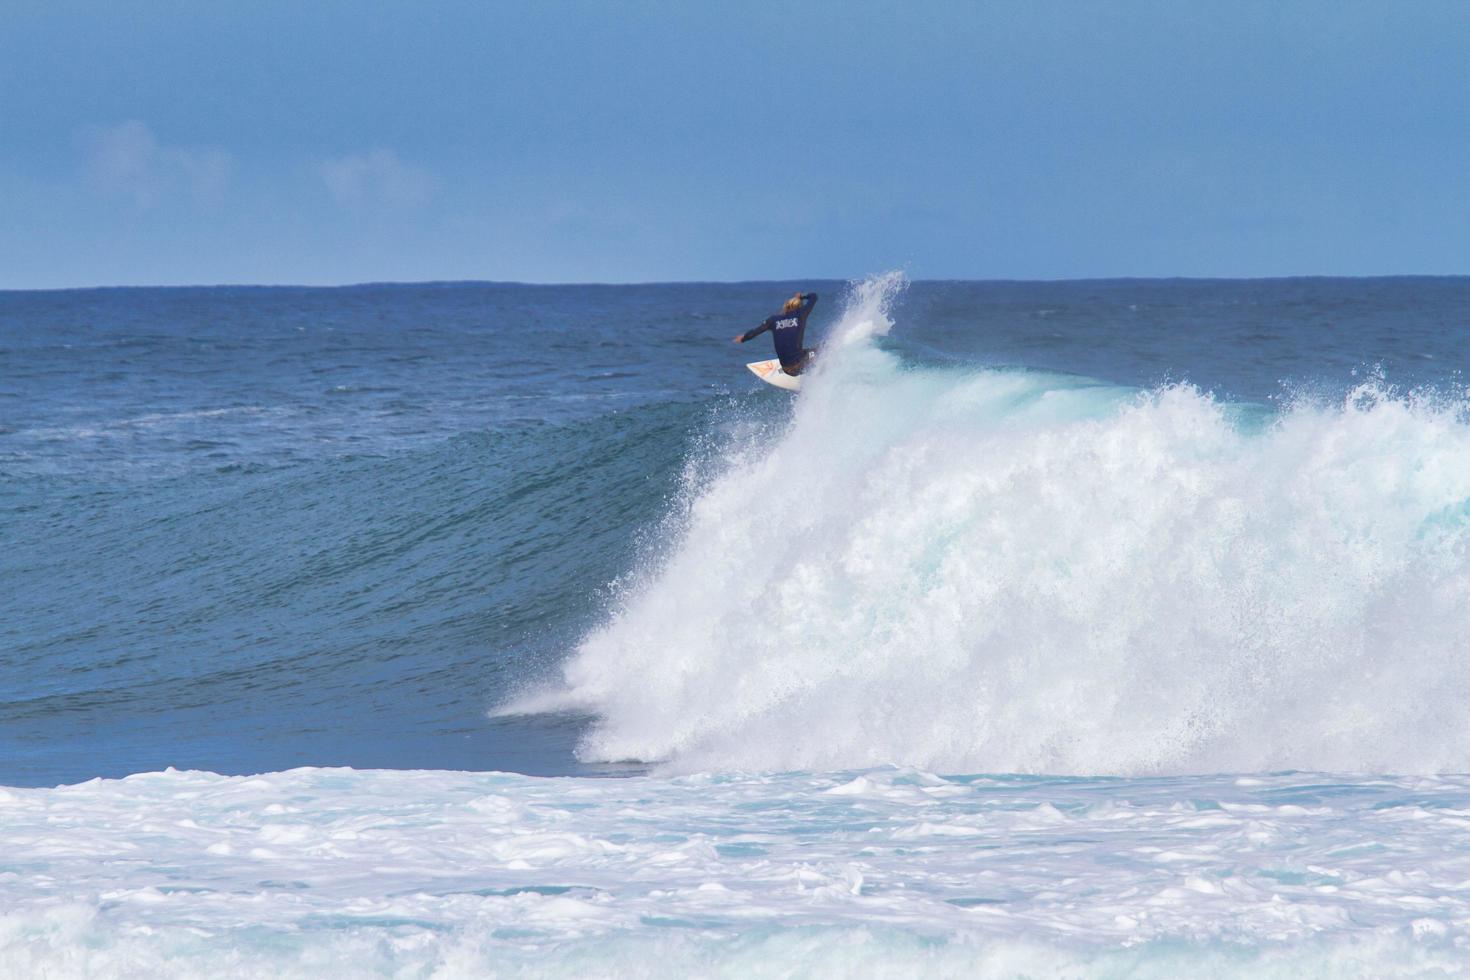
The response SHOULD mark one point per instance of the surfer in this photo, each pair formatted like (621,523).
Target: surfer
(787,329)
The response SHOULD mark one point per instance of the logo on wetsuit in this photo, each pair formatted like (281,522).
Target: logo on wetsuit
(787,323)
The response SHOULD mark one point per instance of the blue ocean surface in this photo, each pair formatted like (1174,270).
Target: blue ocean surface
(1083,628)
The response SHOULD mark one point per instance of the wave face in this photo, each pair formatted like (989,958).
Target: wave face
(250,529)
(999,570)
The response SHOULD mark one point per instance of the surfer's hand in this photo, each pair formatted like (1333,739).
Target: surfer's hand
(740,338)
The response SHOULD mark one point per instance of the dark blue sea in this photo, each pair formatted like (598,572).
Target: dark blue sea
(1021,559)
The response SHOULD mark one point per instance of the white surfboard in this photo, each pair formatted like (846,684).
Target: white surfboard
(770,372)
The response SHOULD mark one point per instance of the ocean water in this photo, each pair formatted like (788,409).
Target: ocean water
(1083,628)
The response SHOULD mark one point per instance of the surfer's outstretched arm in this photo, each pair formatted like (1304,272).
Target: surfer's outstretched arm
(756,331)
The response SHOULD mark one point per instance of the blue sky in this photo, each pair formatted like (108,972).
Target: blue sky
(328,142)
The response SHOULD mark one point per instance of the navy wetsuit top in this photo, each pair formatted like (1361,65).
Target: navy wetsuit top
(787,329)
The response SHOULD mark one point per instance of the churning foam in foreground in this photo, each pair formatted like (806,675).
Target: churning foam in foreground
(977,570)
(885,873)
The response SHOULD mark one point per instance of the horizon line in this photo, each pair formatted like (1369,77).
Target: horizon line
(368,283)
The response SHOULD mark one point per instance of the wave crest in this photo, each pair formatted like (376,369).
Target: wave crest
(1009,571)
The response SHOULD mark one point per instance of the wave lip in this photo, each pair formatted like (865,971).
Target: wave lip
(1010,571)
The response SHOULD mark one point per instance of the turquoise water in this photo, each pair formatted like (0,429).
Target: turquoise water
(259,528)
(254,528)
(1084,628)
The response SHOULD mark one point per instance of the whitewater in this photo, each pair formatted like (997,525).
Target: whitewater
(890,872)
(1012,571)
(1075,629)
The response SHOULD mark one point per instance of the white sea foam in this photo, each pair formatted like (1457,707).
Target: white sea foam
(883,872)
(1008,571)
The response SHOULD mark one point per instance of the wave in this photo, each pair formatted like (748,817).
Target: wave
(1001,570)
(269,611)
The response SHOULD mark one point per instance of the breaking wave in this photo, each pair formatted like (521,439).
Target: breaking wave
(999,570)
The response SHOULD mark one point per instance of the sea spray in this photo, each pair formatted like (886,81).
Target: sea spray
(987,568)
(981,570)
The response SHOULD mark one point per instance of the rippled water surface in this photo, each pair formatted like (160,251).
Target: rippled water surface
(1165,548)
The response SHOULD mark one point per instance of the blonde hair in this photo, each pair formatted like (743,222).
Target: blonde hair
(792,305)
